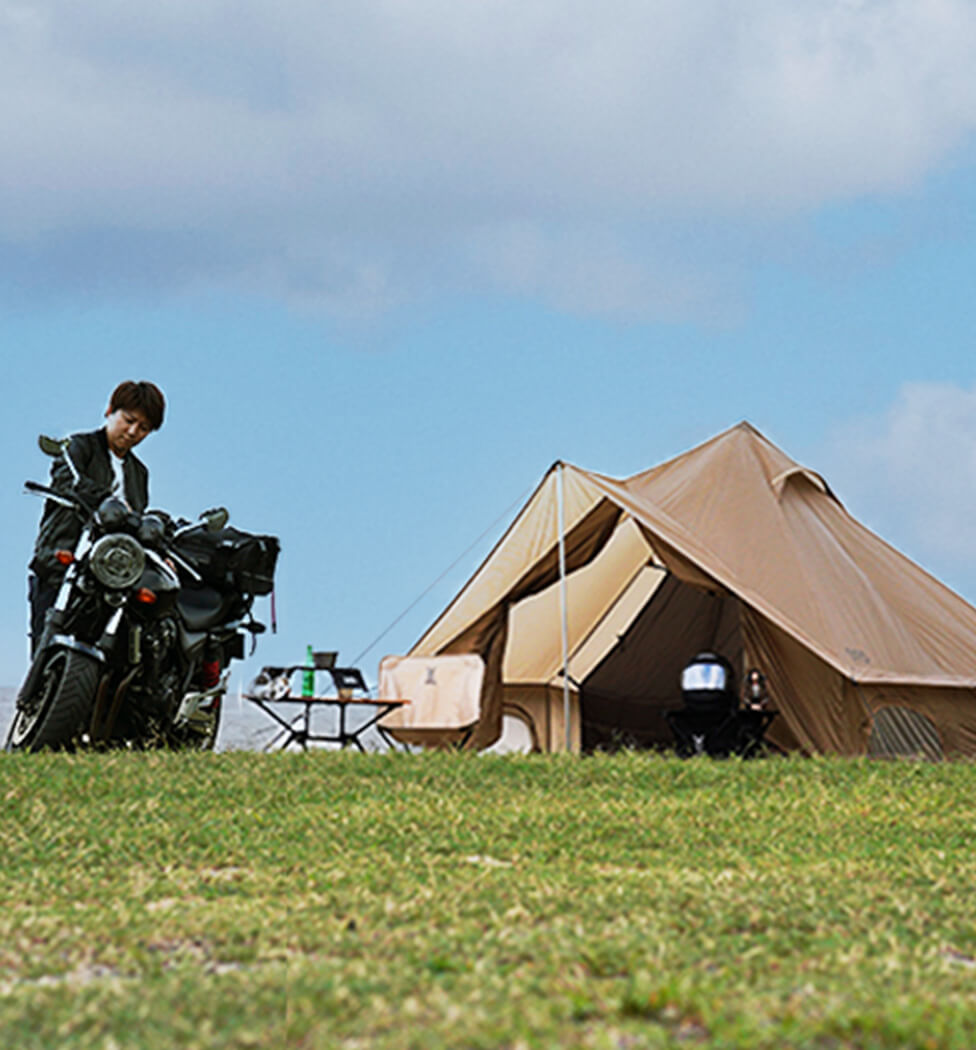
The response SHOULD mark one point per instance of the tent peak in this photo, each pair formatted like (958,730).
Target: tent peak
(746,427)
(564,465)
(788,470)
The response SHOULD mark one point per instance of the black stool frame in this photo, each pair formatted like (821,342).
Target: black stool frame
(718,732)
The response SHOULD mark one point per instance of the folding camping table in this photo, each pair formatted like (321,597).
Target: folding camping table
(300,730)
(348,682)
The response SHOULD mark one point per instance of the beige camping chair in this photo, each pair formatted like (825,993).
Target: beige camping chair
(444,694)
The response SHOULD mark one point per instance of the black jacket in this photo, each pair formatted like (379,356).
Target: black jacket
(60,527)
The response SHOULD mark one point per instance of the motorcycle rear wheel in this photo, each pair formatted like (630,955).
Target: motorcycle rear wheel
(57,712)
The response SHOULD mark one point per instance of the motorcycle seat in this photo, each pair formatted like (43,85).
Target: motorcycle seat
(203,607)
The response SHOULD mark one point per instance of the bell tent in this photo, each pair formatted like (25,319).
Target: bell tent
(601,590)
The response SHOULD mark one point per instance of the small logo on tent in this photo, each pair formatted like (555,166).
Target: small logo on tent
(429,680)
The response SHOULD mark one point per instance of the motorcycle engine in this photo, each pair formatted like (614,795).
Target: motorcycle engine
(157,696)
(158,640)
(158,689)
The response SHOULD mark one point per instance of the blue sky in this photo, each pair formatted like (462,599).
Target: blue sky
(389,263)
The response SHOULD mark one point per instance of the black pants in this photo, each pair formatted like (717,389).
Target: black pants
(41,594)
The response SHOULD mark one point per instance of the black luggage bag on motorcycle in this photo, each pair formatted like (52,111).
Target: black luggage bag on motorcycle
(232,559)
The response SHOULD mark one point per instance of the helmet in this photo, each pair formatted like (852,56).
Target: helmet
(707,683)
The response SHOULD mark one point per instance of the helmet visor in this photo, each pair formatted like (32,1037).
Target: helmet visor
(704,676)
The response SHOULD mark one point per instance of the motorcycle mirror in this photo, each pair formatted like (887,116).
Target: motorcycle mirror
(215,519)
(50,446)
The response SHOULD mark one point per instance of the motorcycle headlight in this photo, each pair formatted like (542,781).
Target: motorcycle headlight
(117,560)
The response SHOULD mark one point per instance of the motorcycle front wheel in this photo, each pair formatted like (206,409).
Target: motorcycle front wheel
(58,710)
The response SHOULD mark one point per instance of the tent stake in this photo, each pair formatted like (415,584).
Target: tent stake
(562,601)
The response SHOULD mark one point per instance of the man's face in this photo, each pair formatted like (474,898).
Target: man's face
(126,427)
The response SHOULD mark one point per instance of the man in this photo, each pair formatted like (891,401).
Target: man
(106,463)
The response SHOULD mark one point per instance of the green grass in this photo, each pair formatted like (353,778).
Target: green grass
(334,899)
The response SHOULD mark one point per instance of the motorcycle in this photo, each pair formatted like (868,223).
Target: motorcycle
(137,647)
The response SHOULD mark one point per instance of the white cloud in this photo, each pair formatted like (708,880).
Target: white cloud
(911,472)
(346,137)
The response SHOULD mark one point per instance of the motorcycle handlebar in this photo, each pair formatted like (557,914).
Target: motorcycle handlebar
(76,503)
(67,499)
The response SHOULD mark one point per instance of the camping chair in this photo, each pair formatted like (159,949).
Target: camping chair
(705,725)
(702,732)
(444,694)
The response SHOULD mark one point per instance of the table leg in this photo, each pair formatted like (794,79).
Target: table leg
(287,731)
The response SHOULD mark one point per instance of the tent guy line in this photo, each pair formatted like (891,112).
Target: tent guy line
(446,572)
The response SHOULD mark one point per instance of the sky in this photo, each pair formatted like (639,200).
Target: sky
(390,260)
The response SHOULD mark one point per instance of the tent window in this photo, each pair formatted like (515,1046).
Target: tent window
(897,732)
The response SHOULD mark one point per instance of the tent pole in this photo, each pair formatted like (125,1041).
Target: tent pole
(562,602)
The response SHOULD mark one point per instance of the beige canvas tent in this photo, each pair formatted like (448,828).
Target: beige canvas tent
(602,590)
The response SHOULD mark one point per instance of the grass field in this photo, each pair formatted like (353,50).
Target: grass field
(341,900)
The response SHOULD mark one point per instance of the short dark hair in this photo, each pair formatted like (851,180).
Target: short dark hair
(141,395)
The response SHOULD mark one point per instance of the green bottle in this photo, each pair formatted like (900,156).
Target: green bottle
(308,675)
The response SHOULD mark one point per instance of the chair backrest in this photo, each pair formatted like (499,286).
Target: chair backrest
(444,691)
(708,700)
